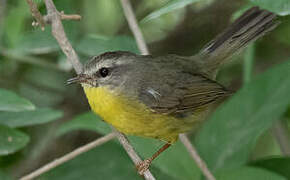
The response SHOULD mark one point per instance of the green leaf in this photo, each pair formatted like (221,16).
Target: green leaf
(241,11)
(4,176)
(228,136)
(85,121)
(11,140)
(281,7)
(279,165)
(45,87)
(37,42)
(266,146)
(248,173)
(93,45)
(9,101)
(282,32)
(169,7)
(108,161)
(14,23)
(28,118)
(110,17)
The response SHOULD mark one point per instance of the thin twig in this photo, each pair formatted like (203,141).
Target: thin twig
(74,17)
(60,36)
(282,136)
(69,156)
(127,8)
(36,14)
(193,153)
(131,152)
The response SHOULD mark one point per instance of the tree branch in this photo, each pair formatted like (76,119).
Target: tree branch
(36,14)
(127,8)
(74,17)
(131,152)
(58,32)
(69,156)
(193,153)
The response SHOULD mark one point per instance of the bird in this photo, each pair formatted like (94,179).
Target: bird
(161,97)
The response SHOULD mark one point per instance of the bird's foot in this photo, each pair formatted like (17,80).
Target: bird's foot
(143,166)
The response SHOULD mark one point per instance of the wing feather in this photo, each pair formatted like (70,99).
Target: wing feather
(188,94)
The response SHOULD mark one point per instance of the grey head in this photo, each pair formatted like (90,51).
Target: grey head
(119,70)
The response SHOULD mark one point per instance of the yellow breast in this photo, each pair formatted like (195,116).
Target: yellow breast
(132,117)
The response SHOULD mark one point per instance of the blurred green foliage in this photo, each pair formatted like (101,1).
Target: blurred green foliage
(281,7)
(236,125)
(248,173)
(41,118)
(14,103)
(11,140)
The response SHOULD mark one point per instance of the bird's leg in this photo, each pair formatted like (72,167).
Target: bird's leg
(144,165)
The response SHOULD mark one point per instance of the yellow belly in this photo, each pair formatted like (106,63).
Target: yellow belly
(132,117)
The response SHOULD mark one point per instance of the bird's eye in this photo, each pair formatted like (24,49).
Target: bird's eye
(104,72)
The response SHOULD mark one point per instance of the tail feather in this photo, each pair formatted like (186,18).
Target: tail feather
(253,24)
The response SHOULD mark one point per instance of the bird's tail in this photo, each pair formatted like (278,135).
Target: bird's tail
(253,24)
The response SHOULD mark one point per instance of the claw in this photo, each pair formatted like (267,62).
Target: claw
(143,166)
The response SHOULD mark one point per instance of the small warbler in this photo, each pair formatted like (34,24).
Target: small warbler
(163,96)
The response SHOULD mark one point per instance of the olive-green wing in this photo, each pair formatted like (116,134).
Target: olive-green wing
(184,95)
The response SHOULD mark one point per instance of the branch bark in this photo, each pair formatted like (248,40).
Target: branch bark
(60,36)
(36,14)
(130,16)
(74,17)
(131,152)
(193,153)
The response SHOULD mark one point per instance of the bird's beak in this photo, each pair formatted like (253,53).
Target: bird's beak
(78,79)
(73,80)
